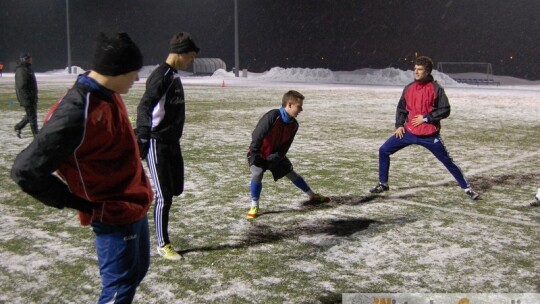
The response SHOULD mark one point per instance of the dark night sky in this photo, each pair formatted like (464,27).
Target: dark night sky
(334,34)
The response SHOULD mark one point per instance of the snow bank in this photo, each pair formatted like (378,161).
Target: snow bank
(388,76)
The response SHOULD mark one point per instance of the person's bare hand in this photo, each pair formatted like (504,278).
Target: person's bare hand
(418,120)
(399,132)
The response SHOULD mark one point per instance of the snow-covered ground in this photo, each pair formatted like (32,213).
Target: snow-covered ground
(422,236)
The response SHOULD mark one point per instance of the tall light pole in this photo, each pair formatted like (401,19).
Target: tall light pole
(236,55)
(68,38)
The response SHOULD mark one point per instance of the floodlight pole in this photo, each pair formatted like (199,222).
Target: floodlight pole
(68,38)
(236,55)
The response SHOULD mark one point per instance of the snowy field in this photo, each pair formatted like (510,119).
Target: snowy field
(423,236)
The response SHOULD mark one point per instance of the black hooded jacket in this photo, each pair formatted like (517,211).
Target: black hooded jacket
(26,85)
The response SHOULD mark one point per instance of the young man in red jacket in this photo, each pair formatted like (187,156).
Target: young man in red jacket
(270,143)
(88,140)
(420,110)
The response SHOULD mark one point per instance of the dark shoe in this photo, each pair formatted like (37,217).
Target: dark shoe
(473,195)
(319,198)
(18,131)
(379,188)
(536,203)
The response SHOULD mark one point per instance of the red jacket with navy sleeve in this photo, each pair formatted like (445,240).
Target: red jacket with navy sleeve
(426,98)
(273,134)
(88,141)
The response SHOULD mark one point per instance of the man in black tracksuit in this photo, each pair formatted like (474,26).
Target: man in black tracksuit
(27,94)
(160,123)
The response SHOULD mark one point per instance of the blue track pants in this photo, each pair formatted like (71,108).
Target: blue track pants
(433,143)
(124,257)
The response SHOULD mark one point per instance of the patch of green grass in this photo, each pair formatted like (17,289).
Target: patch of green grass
(400,241)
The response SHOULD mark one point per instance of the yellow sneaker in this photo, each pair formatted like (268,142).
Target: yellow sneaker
(169,253)
(253,212)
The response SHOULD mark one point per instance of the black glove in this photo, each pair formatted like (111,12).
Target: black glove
(260,162)
(273,159)
(81,204)
(65,200)
(143,140)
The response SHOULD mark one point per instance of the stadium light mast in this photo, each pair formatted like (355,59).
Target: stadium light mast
(68,38)
(236,55)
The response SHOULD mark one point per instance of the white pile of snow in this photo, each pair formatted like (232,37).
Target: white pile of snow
(366,76)
(388,76)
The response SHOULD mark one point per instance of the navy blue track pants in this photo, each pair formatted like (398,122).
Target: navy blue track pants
(124,257)
(433,143)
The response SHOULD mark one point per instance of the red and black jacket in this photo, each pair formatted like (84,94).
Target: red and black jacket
(426,98)
(88,141)
(273,134)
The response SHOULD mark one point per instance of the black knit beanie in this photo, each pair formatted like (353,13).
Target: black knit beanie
(182,43)
(24,56)
(116,54)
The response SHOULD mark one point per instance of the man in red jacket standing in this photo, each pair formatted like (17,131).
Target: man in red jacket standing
(420,110)
(88,140)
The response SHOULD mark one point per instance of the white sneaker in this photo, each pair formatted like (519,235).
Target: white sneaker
(473,195)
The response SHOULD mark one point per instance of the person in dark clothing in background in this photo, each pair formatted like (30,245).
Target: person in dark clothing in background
(88,140)
(161,115)
(27,94)
(420,110)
